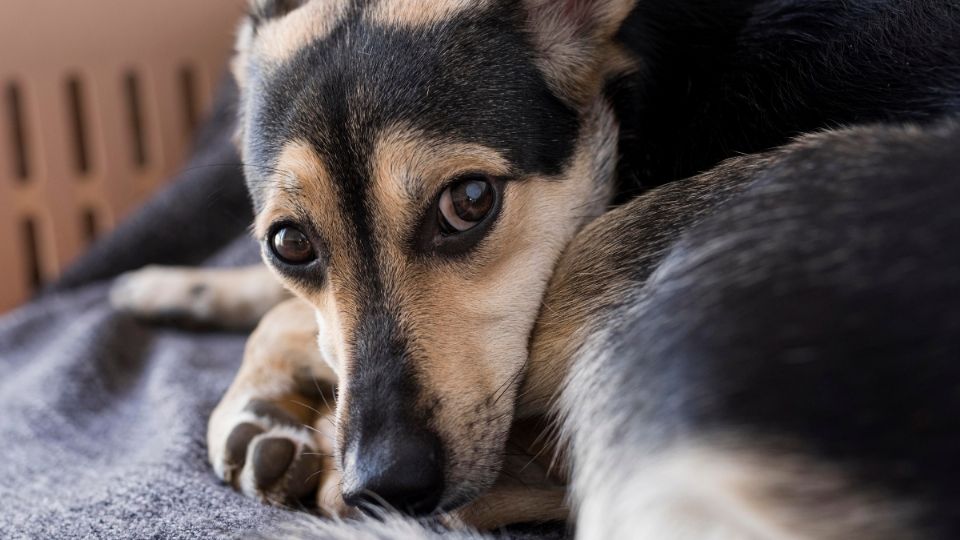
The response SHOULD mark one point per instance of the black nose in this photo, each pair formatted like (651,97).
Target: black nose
(402,472)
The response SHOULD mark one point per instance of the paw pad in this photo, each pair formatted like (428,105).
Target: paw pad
(271,459)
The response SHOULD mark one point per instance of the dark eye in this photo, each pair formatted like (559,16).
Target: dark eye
(291,246)
(465,203)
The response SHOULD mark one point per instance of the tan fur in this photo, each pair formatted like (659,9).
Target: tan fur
(300,188)
(504,505)
(413,167)
(419,13)
(599,270)
(230,298)
(279,39)
(576,46)
(494,297)
(280,363)
(735,488)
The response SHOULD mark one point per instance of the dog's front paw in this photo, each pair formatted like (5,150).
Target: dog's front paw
(269,453)
(161,293)
(214,297)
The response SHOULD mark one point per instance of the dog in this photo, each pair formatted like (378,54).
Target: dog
(433,182)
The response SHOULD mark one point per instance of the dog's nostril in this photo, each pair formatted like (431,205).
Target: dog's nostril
(405,475)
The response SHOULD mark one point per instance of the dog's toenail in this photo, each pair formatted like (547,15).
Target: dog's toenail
(271,457)
(238,441)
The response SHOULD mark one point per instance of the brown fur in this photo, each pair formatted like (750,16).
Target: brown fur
(419,13)
(577,50)
(282,369)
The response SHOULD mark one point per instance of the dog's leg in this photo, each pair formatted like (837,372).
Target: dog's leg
(531,488)
(218,297)
(507,504)
(272,435)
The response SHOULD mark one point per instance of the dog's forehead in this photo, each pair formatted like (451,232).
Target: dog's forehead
(454,70)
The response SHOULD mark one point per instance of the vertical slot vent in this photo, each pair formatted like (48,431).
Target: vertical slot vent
(78,121)
(188,95)
(89,225)
(131,84)
(31,252)
(18,132)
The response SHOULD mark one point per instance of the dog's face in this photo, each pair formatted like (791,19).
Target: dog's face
(417,166)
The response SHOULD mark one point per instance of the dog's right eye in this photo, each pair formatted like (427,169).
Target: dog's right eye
(292,246)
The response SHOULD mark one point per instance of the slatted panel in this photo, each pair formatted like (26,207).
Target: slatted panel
(98,100)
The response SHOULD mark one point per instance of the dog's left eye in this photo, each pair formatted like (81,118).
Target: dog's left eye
(292,246)
(465,203)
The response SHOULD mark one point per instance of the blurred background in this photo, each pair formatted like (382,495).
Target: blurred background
(98,103)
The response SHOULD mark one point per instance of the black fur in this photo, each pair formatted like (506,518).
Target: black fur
(818,307)
(726,78)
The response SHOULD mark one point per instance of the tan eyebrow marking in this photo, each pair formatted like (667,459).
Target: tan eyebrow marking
(278,40)
(420,13)
(408,166)
(301,184)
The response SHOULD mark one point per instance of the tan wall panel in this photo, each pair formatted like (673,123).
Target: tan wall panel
(63,53)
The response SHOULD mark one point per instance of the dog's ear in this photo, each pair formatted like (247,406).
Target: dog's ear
(574,39)
(264,10)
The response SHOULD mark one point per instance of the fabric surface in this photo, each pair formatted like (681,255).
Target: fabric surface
(103,418)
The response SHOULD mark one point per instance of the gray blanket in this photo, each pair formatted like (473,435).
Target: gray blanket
(102,418)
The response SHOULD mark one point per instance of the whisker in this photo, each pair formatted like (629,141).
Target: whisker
(502,391)
(321,471)
(322,434)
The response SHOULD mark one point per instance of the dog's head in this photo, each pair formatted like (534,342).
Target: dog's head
(417,166)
